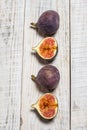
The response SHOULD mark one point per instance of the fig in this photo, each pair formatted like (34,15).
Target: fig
(47,78)
(48,23)
(47,106)
(47,48)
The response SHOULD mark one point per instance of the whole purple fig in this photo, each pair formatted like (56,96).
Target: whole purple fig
(47,78)
(48,23)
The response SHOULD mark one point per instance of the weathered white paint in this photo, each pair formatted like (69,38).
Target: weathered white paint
(17,63)
(11,42)
(79,64)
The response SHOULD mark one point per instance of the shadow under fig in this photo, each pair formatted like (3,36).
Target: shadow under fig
(46,121)
(43,61)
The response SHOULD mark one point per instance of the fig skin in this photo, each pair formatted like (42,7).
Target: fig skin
(48,23)
(47,78)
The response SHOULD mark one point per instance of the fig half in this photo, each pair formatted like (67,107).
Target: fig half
(47,78)
(47,106)
(47,48)
(48,23)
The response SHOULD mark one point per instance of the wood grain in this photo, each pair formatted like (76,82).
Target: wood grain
(17,63)
(11,43)
(79,65)
(31,65)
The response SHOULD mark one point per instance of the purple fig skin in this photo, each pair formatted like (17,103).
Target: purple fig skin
(48,77)
(48,23)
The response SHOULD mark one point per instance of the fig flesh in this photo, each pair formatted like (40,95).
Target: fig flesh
(48,23)
(47,106)
(47,48)
(47,78)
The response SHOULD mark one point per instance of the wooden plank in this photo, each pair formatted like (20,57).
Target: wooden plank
(31,65)
(79,64)
(11,43)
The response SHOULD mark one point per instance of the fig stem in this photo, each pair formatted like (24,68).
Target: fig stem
(33,105)
(33,25)
(33,77)
(34,48)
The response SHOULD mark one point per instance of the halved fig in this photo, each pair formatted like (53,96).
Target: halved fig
(47,48)
(47,106)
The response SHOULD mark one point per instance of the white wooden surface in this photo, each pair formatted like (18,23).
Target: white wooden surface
(79,64)
(17,63)
(11,46)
